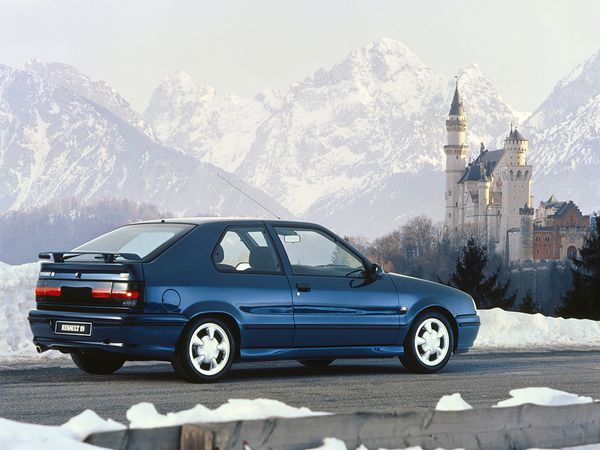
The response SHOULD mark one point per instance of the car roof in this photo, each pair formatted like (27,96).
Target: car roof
(229,220)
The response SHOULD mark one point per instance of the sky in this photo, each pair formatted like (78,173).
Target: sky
(242,47)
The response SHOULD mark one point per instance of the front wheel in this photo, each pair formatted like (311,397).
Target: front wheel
(205,351)
(97,362)
(315,362)
(429,343)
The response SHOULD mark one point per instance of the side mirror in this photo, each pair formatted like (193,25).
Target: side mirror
(374,272)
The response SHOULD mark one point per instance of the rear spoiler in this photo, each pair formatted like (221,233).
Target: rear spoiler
(108,257)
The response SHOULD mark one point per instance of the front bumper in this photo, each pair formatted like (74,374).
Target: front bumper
(137,336)
(468,328)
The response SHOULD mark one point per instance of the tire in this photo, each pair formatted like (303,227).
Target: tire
(196,345)
(430,332)
(97,362)
(315,362)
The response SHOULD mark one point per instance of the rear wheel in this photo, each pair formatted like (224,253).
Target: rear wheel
(97,362)
(429,343)
(315,362)
(205,351)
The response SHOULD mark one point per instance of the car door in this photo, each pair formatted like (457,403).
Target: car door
(333,302)
(250,277)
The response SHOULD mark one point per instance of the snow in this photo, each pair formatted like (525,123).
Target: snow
(453,402)
(145,415)
(17,284)
(513,330)
(17,435)
(543,396)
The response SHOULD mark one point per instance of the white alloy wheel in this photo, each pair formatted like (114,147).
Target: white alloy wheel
(209,349)
(432,341)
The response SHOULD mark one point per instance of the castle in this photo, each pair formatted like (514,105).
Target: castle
(491,199)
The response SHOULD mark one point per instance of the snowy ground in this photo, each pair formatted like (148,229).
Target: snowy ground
(499,329)
(68,436)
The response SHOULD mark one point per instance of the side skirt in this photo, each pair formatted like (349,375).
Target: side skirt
(270,354)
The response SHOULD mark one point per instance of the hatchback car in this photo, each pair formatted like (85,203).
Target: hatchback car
(203,293)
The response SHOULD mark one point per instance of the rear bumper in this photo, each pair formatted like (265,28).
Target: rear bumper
(137,336)
(468,328)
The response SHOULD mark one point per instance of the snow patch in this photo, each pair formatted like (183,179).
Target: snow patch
(542,396)
(145,415)
(513,330)
(18,284)
(452,402)
(17,435)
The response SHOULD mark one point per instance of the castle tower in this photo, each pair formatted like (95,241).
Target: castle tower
(483,188)
(456,155)
(516,199)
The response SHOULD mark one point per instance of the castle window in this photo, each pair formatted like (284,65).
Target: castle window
(449,215)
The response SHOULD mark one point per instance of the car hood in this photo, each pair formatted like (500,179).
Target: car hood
(414,291)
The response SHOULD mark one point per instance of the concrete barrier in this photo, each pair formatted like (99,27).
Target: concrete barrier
(518,427)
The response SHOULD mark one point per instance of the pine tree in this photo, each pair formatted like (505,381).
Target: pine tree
(470,277)
(582,301)
(529,305)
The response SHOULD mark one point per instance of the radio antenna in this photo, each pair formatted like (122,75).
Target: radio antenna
(247,195)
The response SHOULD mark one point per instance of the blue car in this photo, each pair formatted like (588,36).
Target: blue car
(203,293)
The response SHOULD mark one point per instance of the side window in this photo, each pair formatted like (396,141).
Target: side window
(246,249)
(312,252)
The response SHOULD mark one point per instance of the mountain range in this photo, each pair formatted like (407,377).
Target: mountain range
(357,146)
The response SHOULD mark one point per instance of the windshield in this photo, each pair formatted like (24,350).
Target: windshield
(140,239)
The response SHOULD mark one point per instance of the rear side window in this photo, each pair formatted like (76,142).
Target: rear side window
(247,250)
(140,239)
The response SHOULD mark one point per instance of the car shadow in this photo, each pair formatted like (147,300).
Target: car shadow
(239,373)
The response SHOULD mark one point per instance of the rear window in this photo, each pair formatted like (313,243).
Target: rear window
(138,239)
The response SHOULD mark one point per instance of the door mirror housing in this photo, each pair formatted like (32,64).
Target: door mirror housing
(374,272)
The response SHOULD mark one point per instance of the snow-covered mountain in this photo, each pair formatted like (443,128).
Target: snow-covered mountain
(357,146)
(218,129)
(564,134)
(57,142)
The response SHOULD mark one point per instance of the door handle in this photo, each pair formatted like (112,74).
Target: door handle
(303,287)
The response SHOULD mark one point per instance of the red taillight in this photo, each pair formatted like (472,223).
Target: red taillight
(101,293)
(119,291)
(125,295)
(47,291)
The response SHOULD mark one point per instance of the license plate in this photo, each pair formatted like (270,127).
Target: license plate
(76,328)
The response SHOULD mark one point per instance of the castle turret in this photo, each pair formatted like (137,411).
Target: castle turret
(515,146)
(456,155)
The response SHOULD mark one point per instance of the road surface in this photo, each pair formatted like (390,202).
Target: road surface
(53,394)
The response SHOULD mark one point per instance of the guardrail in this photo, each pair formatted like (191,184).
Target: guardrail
(518,427)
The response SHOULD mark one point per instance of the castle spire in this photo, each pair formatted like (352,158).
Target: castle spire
(457,109)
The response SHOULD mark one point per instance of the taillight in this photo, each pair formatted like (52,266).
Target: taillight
(47,291)
(100,293)
(123,291)
(119,291)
